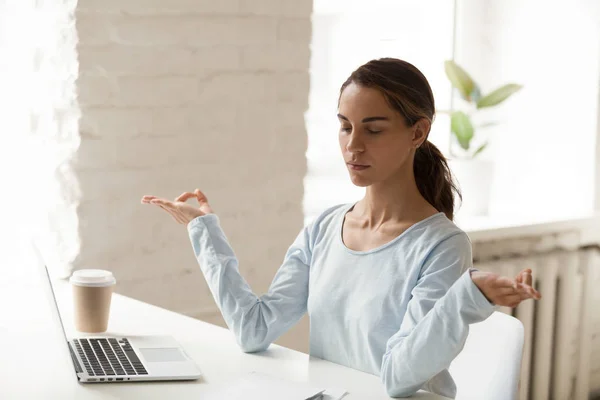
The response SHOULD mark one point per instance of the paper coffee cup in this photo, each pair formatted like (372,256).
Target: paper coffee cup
(92,293)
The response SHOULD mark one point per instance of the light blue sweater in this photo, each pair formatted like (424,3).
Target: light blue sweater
(401,311)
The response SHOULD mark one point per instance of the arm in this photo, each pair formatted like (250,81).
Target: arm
(255,321)
(436,322)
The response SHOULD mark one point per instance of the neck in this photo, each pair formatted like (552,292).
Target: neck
(392,201)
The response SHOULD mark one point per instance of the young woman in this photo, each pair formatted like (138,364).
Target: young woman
(387,281)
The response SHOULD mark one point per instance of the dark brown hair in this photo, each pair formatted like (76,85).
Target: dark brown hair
(407,91)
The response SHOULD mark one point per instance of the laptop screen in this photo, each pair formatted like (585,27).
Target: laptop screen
(46,282)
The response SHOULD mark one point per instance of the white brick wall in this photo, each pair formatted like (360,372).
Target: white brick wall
(38,130)
(183,94)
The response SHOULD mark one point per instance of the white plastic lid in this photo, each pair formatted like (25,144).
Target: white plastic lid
(92,277)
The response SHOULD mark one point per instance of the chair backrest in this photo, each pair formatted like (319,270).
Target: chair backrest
(489,365)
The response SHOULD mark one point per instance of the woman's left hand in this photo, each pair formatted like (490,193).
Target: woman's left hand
(503,291)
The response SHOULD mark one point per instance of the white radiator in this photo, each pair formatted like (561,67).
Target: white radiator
(558,358)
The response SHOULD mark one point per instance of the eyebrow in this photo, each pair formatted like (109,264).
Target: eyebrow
(368,119)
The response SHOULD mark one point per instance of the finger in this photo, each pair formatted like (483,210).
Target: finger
(505,291)
(185,196)
(502,288)
(527,277)
(146,199)
(162,202)
(526,293)
(201,196)
(505,282)
(520,290)
(519,277)
(530,289)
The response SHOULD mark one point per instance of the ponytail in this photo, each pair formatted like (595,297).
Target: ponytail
(434,178)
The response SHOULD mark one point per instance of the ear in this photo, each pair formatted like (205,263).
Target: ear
(420,130)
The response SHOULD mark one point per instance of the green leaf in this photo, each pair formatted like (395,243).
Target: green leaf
(479,149)
(462,128)
(499,95)
(461,80)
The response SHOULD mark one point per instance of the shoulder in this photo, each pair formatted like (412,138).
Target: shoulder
(442,228)
(441,235)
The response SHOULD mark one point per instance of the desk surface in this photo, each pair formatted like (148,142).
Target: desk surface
(43,368)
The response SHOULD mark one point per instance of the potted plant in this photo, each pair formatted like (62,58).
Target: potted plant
(473,173)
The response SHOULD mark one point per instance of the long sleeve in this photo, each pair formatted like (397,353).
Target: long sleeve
(255,321)
(436,323)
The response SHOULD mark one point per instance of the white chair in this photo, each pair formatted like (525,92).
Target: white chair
(489,365)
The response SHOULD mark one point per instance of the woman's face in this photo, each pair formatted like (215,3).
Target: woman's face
(375,141)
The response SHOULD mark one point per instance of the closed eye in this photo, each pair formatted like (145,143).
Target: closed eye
(371,131)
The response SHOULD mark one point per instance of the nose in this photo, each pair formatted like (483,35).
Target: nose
(354,145)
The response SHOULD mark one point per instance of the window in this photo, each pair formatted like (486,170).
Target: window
(543,149)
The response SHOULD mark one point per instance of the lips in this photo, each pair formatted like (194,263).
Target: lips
(357,167)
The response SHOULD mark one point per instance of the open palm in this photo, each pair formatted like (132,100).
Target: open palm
(182,212)
(504,291)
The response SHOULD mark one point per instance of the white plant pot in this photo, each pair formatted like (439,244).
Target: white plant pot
(475,181)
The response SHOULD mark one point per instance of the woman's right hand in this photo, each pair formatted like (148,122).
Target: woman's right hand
(179,210)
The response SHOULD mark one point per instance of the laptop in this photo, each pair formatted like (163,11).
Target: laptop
(102,359)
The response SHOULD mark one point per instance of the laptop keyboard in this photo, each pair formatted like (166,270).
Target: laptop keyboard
(109,357)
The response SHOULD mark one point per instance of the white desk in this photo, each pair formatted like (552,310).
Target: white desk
(45,371)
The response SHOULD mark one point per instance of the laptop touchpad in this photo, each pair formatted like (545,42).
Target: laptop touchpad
(162,354)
